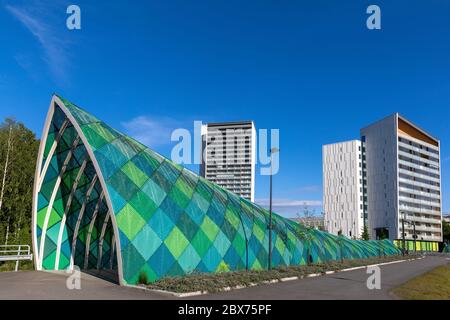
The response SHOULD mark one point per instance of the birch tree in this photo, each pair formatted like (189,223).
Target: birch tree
(5,173)
(18,151)
(5,167)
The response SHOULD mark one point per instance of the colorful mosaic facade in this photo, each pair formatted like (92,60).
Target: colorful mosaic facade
(429,246)
(104,201)
(446,248)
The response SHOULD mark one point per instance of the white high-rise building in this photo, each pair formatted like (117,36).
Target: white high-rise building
(229,156)
(343,188)
(400,179)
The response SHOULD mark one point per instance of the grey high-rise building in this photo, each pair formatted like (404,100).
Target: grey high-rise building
(403,171)
(229,156)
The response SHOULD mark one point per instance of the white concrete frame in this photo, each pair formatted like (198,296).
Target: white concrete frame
(57,101)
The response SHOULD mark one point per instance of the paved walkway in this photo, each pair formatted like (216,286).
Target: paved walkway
(346,285)
(33,285)
(349,285)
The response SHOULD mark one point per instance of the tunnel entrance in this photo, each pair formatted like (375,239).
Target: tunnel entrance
(71,218)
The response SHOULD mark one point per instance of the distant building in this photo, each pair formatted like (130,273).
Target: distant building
(229,156)
(446,217)
(400,179)
(316,222)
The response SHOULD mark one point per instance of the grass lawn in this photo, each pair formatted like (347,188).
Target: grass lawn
(214,282)
(434,285)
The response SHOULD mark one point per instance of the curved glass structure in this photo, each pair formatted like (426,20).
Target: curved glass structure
(105,201)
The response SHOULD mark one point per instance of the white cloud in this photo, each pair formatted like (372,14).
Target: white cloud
(36,18)
(151,131)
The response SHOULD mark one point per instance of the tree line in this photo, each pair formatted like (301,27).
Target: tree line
(18,152)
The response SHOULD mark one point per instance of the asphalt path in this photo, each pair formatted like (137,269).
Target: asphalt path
(351,285)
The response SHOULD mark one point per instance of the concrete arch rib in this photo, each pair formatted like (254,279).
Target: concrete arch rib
(57,102)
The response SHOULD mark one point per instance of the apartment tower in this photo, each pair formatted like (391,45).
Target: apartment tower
(403,180)
(229,156)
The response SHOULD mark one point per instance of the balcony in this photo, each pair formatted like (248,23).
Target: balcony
(420,201)
(424,220)
(418,210)
(409,227)
(418,175)
(419,167)
(417,158)
(419,184)
(416,149)
(419,142)
(420,193)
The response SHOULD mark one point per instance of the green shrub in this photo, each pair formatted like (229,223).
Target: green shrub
(143,278)
(223,267)
(215,282)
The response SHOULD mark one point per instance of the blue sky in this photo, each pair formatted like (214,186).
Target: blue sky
(311,69)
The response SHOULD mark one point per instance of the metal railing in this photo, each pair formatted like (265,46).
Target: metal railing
(16,253)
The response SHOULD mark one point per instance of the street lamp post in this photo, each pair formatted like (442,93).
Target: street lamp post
(272,151)
(403,233)
(414,234)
